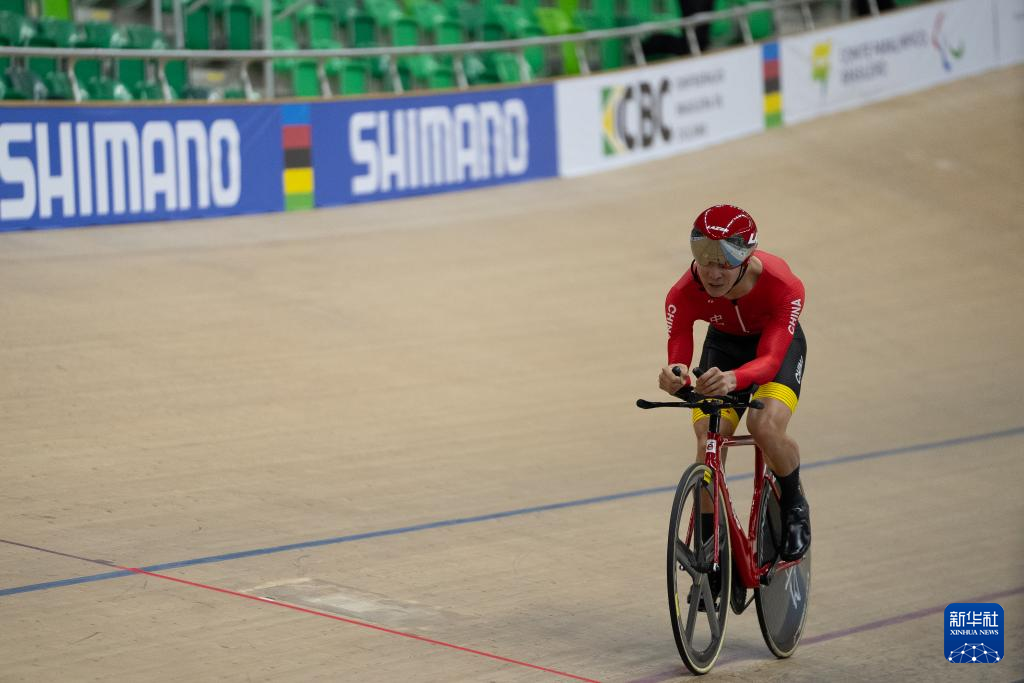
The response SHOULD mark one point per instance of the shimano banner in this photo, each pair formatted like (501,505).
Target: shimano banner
(70,166)
(365,150)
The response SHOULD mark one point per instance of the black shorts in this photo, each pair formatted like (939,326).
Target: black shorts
(729,351)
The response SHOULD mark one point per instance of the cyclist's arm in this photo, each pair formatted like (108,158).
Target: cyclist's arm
(680,332)
(775,339)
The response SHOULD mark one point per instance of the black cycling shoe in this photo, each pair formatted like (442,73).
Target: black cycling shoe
(797,532)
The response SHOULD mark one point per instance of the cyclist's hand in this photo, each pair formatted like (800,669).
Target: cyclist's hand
(715,382)
(668,381)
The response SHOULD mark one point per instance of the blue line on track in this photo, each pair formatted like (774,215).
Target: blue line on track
(932,445)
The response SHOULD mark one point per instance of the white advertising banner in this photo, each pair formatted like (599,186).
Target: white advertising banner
(1010,20)
(614,120)
(873,59)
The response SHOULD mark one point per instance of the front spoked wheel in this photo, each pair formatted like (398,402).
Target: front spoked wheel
(698,590)
(782,604)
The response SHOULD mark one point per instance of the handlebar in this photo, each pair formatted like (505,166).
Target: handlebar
(691,399)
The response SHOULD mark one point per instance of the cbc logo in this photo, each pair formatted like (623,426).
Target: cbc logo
(633,116)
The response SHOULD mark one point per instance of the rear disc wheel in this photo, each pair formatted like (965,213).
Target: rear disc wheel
(782,604)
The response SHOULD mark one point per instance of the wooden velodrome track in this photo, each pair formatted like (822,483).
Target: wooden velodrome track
(430,404)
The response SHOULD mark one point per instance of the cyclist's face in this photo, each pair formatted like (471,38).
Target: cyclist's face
(717,280)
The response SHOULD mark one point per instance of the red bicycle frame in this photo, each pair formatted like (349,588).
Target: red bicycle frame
(744,545)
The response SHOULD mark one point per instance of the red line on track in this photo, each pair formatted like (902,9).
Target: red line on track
(355,622)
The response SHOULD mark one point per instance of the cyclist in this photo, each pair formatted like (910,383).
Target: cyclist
(752,302)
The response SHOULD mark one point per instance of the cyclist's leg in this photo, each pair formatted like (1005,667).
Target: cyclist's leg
(780,397)
(768,427)
(781,451)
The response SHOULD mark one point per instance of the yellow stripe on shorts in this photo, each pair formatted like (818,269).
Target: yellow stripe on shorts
(729,414)
(779,392)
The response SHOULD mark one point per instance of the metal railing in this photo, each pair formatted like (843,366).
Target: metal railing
(392,54)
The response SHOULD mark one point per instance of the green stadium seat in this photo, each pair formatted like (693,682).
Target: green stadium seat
(471,16)
(238,24)
(13,6)
(342,10)
(642,11)
(363,31)
(428,14)
(105,34)
(762,24)
(516,21)
(317,26)
(198,22)
(441,78)
(304,78)
(176,74)
(600,12)
(149,90)
(15,29)
(353,79)
(60,32)
(506,68)
(195,92)
(102,88)
(555,22)
(58,86)
(724,32)
(143,37)
(529,5)
(284,27)
(23,84)
(384,12)
(41,66)
(490,30)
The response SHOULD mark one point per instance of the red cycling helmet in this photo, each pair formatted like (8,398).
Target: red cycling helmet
(725,235)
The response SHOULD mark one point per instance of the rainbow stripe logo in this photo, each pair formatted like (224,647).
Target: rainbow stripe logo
(297,140)
(772,91)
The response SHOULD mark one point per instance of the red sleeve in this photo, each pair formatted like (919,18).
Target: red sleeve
(679,318)
(775,339)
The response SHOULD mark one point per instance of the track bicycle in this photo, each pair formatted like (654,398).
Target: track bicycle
(746,560)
